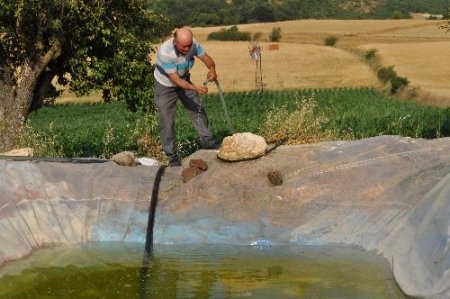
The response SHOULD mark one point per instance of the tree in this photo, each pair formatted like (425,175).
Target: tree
(102,45)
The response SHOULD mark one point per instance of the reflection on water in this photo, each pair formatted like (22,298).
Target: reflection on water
(111,270)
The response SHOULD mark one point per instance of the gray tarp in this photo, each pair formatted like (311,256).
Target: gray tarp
(387,194)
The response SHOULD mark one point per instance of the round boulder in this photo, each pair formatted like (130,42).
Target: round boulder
(242,146)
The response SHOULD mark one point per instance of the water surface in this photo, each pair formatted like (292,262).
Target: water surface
(114,270)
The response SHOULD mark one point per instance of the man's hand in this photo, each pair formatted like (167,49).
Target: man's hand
(212,75)
(209,62)
(201,89)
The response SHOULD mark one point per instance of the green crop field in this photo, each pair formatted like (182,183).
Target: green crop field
(102,129)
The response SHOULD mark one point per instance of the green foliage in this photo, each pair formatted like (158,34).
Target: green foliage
(102,45)
(275,35)
(201,12)
(388,74)
(385,74)
(330,41)
(398,83)
(87,130)
(230,34)
(398,15)
(402,8)
(44,143)
(335,114)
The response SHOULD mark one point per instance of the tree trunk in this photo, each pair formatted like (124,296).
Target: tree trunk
(14,107)
(16,98)
(8,125)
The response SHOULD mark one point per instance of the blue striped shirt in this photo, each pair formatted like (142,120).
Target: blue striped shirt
(169,60)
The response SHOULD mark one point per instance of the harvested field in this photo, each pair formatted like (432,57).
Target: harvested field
(292,66)
(417,49)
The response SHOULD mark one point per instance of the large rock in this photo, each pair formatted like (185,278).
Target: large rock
(242,146)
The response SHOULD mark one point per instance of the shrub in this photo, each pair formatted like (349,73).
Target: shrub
(232,33)
(397,15)
(146,135)
(275,35)
(398,83)
(257,35)
(330,41)
(385,74)
(371,54)
(302,125)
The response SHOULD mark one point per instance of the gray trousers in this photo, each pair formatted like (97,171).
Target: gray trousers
(166,101)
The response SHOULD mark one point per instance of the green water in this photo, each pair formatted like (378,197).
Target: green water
(111,270)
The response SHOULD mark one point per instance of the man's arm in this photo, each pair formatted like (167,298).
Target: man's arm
(185,84)
(209,62)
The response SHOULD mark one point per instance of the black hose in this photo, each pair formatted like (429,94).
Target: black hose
(149,236)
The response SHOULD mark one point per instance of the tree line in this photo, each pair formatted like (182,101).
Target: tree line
(229,12)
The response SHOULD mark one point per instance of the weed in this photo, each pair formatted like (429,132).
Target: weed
(43,144)
(302,125)
(146,136)
(330,41)
(108,140)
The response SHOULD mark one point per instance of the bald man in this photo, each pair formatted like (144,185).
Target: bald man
(175,57)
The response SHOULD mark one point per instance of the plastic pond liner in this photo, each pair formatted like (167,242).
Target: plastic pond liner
(381,202)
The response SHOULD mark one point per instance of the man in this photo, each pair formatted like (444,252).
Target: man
(174,59)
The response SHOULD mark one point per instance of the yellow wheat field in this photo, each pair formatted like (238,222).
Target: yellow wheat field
(417,49)
(425,64)
(292,66)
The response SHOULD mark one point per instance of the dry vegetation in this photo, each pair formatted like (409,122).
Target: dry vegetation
(417,49)
(425,64)
(292,66)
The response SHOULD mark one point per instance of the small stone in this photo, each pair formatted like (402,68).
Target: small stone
(189,173)
(124,158)
(275,177)
(199,163)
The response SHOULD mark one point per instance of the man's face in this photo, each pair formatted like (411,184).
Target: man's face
(182,46)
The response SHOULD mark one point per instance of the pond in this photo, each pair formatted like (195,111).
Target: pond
(115,270)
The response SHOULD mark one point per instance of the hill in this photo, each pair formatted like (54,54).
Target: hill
(228,12)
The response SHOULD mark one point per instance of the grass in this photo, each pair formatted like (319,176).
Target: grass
(99,130)
(341,82)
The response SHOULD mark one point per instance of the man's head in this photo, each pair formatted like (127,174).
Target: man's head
(182,40)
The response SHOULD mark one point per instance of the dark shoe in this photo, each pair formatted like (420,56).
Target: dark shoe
(174,163)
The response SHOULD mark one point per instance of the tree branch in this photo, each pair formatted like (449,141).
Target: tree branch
(54,52)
